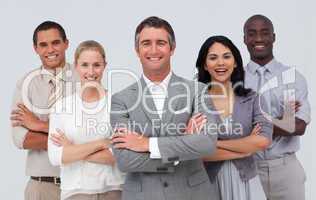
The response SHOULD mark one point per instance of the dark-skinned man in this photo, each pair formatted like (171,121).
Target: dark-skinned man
(285,90)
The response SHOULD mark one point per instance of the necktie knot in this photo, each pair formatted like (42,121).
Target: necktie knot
(261,71)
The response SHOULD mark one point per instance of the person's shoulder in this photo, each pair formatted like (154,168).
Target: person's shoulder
(248,97)
(128,90)
(29,76)
(292,74)
(190,83)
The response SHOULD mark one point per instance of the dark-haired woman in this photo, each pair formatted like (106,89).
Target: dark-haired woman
(243,130)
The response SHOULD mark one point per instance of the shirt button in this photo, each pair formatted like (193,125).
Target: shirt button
(165,184)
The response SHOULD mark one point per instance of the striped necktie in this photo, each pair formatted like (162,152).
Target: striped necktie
(263,88)
(56,91)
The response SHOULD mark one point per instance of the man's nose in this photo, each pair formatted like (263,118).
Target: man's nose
(258,38)
(153,48)
(50,48)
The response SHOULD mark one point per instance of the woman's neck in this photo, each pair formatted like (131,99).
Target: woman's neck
(221,88)
(91,94)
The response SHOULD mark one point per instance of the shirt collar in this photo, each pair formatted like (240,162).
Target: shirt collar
(164,82)
(49,75)
(272,66)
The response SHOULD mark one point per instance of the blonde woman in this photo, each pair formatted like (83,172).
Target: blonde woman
(79,132)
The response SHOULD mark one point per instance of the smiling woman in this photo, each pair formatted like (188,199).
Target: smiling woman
(88,167)
(244,129)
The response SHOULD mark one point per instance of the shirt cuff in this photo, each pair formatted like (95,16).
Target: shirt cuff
(153,148)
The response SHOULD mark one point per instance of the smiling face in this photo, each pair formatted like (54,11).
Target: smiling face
(51,48)
(220,63)
(90,66)
(154,50)
(259,38)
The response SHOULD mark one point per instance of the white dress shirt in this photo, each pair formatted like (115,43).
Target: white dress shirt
(159,92)
(83,123)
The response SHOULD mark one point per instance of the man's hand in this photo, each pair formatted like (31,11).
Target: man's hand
(24,117)
(125,139)
(295,105)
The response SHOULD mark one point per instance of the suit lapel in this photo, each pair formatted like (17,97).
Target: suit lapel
(147,103)
(174,89)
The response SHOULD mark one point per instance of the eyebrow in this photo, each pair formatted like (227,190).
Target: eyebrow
(144,41)
(42,43)
(148,40)
(255,30)
(214,54)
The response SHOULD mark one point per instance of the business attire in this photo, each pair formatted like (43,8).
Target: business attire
(238,179)
(34,90)
(176,171)
(281,173)
(83,122)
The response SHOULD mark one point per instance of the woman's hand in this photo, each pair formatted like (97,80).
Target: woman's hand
(256,130)
(196,123)
(60,139)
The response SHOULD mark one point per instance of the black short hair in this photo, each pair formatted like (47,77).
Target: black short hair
(156,22)
(46,25)
(238,75)
(260,17)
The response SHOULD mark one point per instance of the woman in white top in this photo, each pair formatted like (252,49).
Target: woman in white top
(79,133)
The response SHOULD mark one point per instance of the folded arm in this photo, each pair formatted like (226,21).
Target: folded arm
(297,111)
(102,157)
(28,131)
(249,144)
(129,160)
(223,154)
(35,141)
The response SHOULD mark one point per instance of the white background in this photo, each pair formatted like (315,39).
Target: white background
(113,23)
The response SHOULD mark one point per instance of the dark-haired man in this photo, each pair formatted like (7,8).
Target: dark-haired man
(34,95)
(165,162)
(285,90)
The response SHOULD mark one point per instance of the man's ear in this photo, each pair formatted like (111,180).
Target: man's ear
(274,37)
(35,48)
(137,51)
(67,43)
(172,49)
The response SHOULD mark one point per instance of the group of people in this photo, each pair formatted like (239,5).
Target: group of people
(229,135)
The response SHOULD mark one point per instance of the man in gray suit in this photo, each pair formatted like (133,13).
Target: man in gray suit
(153,143)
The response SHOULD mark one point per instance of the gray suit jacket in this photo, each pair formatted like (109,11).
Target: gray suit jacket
(247,113)
(161,179)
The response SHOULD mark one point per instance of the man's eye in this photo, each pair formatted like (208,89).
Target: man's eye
(251,34)
(161,43)
(43,45)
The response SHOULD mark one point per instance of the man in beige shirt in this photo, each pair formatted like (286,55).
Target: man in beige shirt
(34,95)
